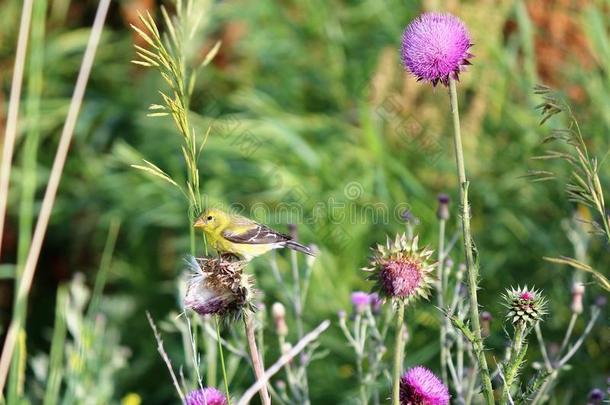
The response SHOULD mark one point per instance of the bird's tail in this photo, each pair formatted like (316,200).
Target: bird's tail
(294,245)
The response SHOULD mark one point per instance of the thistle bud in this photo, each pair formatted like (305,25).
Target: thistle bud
(401,270)
(485,323)
(578,291)
(442,212)
(375,303)
(279,319)
(360,300)
(601,301)
(525,307)
(311,259)
(596,396)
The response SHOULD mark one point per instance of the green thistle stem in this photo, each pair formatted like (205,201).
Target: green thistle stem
(514,364)
(468,247)
(398,354)
(441,299)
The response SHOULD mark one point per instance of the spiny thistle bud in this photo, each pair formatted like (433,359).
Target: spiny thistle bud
(279,318)
(419,386)
(442,212)
(525,307)
(206,396)
(400,270)
(219,287)
(578,291)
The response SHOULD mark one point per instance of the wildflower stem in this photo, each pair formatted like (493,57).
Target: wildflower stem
(257,363)
(398,354)
(468,246)
(222,361)
(441,298)
(514,363)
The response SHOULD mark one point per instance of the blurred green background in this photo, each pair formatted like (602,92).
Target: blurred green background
(309,105)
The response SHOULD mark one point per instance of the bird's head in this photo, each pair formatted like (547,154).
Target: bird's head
(211,219)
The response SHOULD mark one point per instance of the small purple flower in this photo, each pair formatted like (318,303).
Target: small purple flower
(419,386)
(596,396)
(435,47)
(360,300)
(206,396)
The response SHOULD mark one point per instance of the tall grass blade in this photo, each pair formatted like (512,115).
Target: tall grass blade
(53,184)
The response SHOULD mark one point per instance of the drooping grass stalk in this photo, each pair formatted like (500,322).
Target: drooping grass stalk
(28,168)
(53,184)
(10,133)
(257,361)
(471,266)
(55,371)
(398,354)
(169,54)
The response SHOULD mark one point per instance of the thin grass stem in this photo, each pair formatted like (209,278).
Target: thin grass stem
(10,133)
(53,184)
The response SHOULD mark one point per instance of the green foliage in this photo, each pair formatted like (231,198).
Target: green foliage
(303,101)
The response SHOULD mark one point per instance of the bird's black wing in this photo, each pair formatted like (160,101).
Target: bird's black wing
(258,234)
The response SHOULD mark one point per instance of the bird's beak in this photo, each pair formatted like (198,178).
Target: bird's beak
(198,223)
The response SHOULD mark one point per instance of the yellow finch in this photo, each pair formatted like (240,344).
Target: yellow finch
(242,237)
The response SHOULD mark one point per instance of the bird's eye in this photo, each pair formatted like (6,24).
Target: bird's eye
(210,218)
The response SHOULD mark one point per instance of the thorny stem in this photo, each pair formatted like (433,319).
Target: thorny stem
(514,362)
(468,246)
(398,353)
(257,362)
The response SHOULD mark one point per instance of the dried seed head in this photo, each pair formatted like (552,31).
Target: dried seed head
(525,307)
(400,270)
(219,287)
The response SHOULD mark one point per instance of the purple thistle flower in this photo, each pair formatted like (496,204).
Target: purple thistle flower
(435,47)
(206,396)
(360,300)
(419,386)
